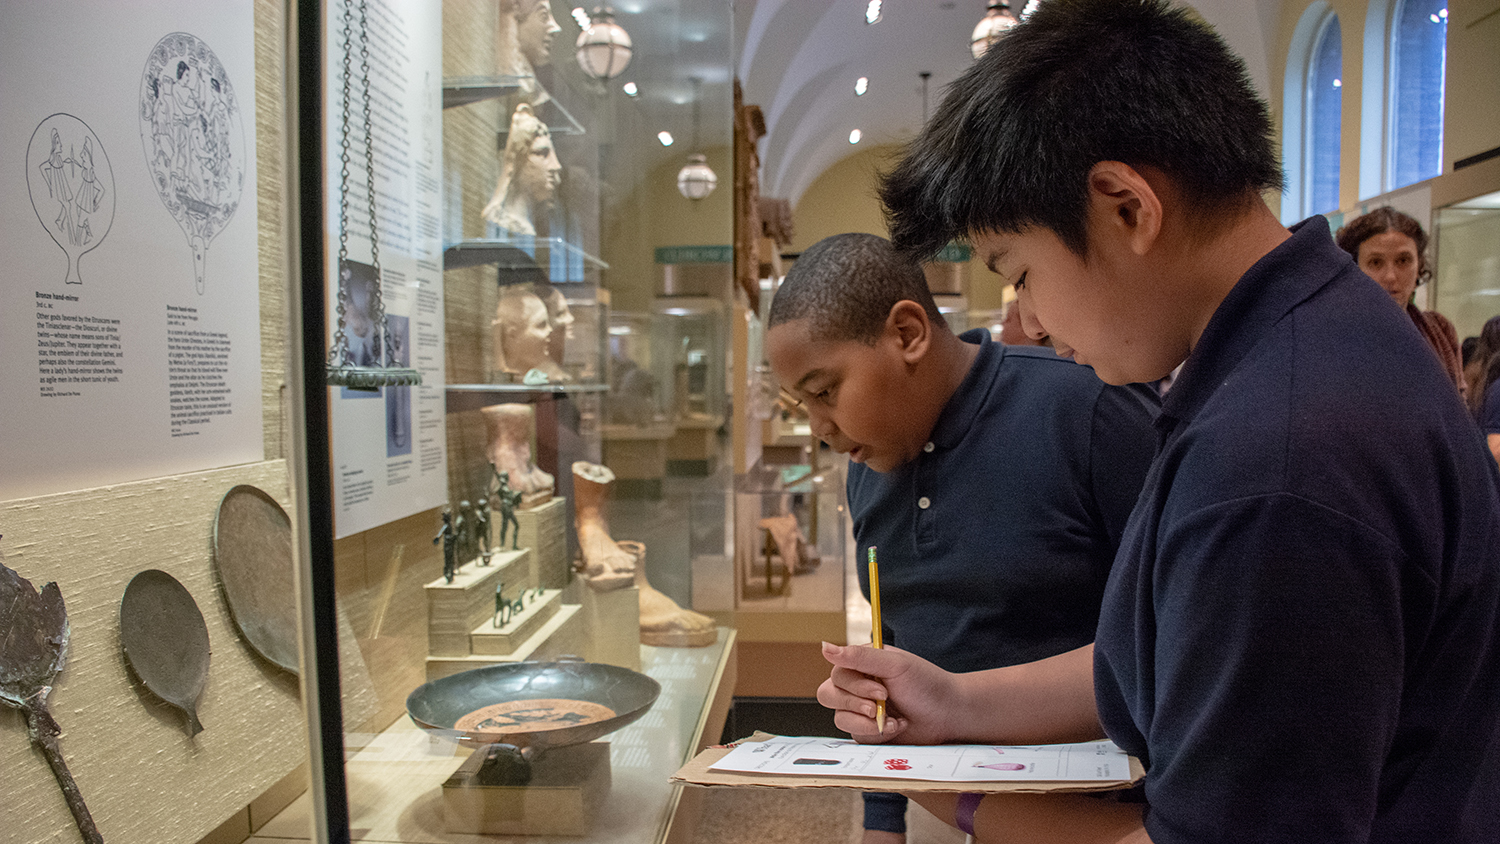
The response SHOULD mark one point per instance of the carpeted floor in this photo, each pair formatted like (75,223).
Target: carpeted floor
(780,816)
(802,816)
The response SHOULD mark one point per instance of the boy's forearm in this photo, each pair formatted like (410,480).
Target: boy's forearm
(1043,702)
(1044,818)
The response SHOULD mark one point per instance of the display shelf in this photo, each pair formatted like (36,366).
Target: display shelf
(514,252)
(399,774)
(467,90)
(461,91)
(474,396)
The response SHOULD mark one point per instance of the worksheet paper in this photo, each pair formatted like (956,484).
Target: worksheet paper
(1092,761)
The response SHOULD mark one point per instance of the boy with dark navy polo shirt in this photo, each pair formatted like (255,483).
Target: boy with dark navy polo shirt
(1300,637)
(995,481)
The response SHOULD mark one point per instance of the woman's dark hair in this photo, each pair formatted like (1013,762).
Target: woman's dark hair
(1080,82)
(1487,356)
(1381,220)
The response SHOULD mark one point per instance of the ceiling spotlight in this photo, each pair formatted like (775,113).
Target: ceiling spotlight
(665,137)
(630,89)
(582,17)
(855,136)
(872,12)
(996,22)
(603,47)
(861,85)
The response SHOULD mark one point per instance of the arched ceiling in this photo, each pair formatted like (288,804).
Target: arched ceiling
(799,59)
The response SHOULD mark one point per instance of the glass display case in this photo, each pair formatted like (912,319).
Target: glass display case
(775,555)
(692,332)
(641,382)
(1467,257)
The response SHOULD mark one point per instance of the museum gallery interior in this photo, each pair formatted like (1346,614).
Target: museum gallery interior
(426,480)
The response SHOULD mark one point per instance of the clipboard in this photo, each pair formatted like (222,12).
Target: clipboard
(697,773)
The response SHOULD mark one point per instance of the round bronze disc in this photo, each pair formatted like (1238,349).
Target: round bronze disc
(533,716)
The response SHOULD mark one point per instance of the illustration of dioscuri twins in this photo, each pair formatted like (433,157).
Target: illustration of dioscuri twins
(72,187)
(193,140)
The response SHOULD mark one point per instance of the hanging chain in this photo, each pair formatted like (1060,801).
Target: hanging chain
(387,371)
(390,350)
(338,355)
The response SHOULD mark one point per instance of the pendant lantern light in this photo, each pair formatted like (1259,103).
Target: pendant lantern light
(696,179)
(996,22)
(603,46)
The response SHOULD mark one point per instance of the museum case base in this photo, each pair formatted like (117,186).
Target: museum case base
(638,457)
(567,784)
(395,780)
(693,450)
(490,639)
(544,530)
(455,609)
(561,635)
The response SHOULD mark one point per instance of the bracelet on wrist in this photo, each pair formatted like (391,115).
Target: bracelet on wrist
(963,812)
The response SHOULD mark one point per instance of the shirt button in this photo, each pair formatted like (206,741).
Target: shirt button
(928,448)
(923,503)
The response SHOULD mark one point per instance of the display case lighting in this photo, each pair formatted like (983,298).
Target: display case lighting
(855,136)
(630,89)
(665,137)
(861,85)
(872,12)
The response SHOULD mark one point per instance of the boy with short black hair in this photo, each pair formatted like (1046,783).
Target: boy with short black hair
(1301,633)
(995,481)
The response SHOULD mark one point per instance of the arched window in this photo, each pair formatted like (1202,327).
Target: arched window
(1312,102)
(1323,119)
(1419,39)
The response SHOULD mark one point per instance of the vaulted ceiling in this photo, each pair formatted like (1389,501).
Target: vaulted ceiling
(799,59)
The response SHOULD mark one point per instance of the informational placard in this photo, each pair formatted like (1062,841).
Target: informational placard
(129,295)
(390,445)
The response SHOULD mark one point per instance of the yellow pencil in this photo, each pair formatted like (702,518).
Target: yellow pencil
(875,631)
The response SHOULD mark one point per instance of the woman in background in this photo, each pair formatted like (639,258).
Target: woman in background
(1484,397)
(1391,248)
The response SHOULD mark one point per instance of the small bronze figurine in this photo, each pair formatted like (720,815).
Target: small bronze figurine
(461,533)
(502,607)
(450,542)
(509,499)
(482,530)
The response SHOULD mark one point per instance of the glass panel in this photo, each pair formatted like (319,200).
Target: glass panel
(537,666)
(1324,101)
(1419,37)
(1468,263)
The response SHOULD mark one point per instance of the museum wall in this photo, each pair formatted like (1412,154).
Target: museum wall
(143,778)
(1471,124)
(843,199)
(653,213)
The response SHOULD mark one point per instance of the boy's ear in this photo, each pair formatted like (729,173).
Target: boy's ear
(1124,205)
(908,324)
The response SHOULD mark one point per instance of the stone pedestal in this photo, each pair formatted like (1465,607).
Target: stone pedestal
(567,785)
(491,640)
(455,609)
(544,530)
(613,624)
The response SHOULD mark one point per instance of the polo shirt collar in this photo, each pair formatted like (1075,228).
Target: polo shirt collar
(964,405)
(1282,279)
